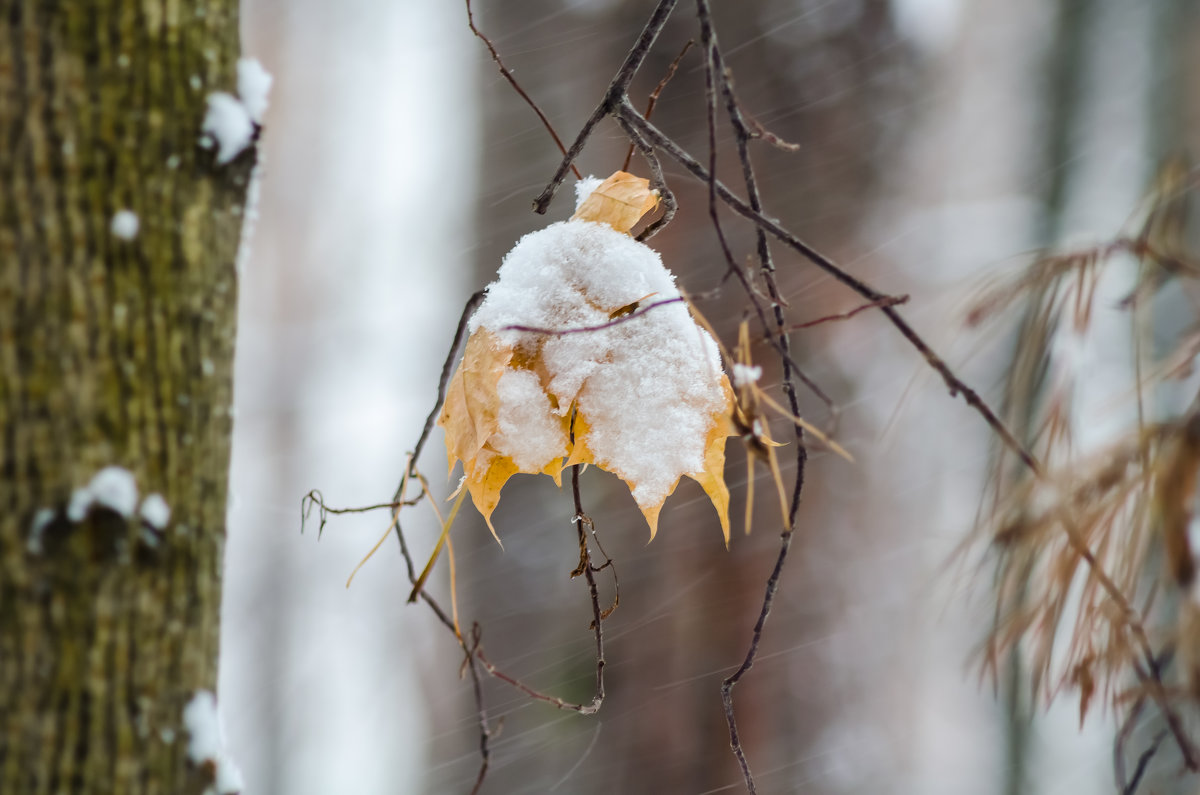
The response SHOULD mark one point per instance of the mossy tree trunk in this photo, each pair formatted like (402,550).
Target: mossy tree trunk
(117,352)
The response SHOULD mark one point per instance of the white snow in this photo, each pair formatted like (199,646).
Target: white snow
(41,519)
(254,85)
(744,374)
(200,720)
(231,121)
(586,187)
(229,778)
(647,387)
(113,487)
(227,125)
(155,511)
(124,224)
(206,743)
(77,508)
(529,433)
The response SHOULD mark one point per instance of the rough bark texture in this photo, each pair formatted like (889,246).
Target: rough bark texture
(112,352)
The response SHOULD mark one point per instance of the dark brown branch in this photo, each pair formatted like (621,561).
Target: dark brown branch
(709,43)
(445,618)
(713,68)
(658,182)
(1157,688)
(589,574)
(650,103)
(512,81)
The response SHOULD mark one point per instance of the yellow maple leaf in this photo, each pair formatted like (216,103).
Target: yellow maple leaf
(619,201)
(560,364)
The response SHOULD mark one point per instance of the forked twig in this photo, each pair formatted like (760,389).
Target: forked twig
(588,570)
(650,103)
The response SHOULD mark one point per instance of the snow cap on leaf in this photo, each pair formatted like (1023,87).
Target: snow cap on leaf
(584,349)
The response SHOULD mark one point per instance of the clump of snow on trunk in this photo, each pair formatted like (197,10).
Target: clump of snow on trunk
(254,86)
(206,744)
(231,122)
(124,224)
(113,487)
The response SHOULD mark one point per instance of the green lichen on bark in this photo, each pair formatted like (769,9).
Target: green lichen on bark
(112,352)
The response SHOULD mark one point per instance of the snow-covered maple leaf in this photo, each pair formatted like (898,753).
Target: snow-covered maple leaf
(645,398)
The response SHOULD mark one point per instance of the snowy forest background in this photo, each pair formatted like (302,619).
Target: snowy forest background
(941,140)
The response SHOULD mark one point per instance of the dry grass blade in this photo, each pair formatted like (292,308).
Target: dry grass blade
(443,539)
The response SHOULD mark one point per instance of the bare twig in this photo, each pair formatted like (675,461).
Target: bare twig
(650,103)
(763,134)
(708,41)
(588,570)
(1143,763)
(485,731)
(512,81)
(617,92)
(314,499)
(1127,727)
(895,300)
(589,574)
(657,181)
(447,370)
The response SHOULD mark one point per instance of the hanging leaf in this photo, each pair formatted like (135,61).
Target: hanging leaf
(619,201)
(559,349)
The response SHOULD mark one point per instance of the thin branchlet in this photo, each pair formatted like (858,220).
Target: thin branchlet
(460,334)
(654,95)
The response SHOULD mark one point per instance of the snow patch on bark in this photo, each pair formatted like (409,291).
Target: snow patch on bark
(206,744)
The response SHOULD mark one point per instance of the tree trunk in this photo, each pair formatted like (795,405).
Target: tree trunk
(115,350)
